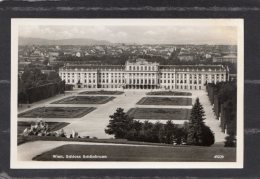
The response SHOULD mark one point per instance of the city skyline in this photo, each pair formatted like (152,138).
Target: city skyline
(188,34)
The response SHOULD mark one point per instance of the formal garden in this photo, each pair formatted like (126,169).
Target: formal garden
(85,100)
(169,93)
(57,112)
(160,113)
(165,101)
(102,92)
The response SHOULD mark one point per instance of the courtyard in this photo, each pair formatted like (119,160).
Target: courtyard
(85,100)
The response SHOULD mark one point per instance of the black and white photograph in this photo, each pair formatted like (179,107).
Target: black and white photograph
(127,93)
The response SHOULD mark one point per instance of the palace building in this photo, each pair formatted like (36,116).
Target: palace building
(140,74)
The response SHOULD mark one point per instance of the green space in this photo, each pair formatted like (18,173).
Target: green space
(160,113)
(53,126)
(140,153)
(102,92)
(57,112)
(169,93)
(85,100)
(165,101)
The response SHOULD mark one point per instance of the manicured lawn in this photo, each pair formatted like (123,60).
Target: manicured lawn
(57,112)
(102,92)
(169,93)
(159,113)
(139,153)
(165,101)
(53,126)
(84,100)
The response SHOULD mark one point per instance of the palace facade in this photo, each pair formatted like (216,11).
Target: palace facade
(140,74)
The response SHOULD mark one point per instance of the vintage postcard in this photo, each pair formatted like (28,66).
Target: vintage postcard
(127,93)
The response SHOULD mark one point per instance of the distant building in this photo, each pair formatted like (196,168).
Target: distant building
(78,54)
(185,57)
(53,54)
(140,74)
(227,58)
(47,72)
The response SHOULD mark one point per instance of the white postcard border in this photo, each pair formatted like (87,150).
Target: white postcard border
(15,164)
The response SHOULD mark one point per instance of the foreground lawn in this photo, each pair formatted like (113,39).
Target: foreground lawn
(53,126)
(57,112)
(169,93)
(103,92)
(159,113)
(85,100)
(138,153)
(165,101)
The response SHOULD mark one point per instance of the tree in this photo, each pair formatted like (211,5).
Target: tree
(230,140)
(53,76)
(157,133)
(198,132)
(134,132)
(119,124)
(169,132)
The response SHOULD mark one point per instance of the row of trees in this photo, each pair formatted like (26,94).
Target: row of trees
(33,85)
(194,132)
(223,97)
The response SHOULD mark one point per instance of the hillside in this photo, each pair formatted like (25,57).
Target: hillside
(73,41)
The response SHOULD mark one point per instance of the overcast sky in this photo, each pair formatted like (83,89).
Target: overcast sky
(137,34)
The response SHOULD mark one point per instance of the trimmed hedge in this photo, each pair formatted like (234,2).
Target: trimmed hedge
(223,97)
(41,92)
